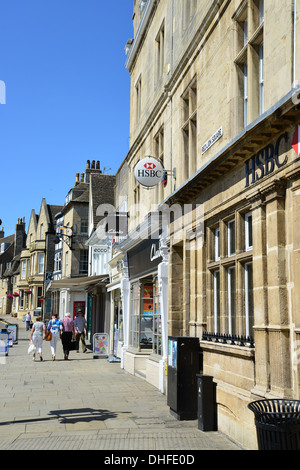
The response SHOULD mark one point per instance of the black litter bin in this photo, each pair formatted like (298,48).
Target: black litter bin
(277,424)
(207,403)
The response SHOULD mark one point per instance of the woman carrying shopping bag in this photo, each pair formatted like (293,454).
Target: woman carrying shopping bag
(68,334)
(36,336)
(55,326)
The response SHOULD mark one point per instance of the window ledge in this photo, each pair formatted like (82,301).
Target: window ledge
(242,56)
(155,357)
(227,349)
(257,36)
(137,352)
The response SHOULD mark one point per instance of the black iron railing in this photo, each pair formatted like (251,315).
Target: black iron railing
(234,340)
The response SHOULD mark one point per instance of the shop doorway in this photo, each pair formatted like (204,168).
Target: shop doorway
(78,306)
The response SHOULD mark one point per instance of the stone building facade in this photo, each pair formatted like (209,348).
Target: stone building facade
(72,235)
(75,287)
(36,262)
(215,97)
(10,249)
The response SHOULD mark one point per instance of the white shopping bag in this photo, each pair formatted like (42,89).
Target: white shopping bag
(31,348)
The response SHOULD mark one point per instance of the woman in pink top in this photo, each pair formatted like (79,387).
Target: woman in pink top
(68,332)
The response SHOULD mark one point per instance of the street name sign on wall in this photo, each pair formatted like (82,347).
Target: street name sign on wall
(217,135)
(148,172)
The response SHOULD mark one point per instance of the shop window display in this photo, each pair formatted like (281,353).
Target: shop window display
(145,324)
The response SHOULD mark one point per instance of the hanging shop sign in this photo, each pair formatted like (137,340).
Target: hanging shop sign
(149,172)
(296,141)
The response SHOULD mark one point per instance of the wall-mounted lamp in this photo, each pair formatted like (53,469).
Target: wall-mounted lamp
(65,237)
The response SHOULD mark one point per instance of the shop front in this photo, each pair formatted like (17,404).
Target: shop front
(145,319)
(87,294)
(118,305)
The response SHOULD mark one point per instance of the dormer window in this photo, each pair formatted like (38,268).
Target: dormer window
(68,198)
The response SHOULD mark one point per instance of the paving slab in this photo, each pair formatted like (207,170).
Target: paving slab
(88,404)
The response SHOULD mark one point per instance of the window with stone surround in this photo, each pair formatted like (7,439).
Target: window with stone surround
(188,11)
(23,270)
(83,262)
(84,226)
(138,99)
(41,262)
(249,27)
(189,129)
(230,276)
(160,53)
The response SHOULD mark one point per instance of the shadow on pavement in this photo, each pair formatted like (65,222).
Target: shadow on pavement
(82,415)
(71,416)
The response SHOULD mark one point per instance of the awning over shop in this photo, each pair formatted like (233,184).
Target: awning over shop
(79,282)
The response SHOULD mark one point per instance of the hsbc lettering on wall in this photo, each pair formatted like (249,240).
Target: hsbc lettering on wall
(148,172)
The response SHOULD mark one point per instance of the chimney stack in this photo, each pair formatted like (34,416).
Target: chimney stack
(20,236)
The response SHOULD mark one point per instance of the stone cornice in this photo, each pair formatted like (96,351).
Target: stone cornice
(245,144)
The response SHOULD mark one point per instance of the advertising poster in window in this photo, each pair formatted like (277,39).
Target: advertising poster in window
(78,306)
(148,299)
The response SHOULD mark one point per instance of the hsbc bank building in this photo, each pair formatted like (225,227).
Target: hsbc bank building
(218,105)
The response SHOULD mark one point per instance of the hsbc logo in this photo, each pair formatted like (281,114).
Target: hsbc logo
(150,166)
(148,172)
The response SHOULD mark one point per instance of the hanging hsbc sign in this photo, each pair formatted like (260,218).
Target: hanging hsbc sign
(148,172)
(296,141)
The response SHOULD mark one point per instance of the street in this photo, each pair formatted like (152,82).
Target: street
(88,404)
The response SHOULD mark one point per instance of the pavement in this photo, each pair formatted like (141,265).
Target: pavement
(89,404)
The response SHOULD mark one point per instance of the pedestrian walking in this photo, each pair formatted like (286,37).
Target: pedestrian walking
(80,328)
(28,321)
(55,326)
(36,336)
(67,334)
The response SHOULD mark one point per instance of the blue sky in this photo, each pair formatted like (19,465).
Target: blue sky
(67,97)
